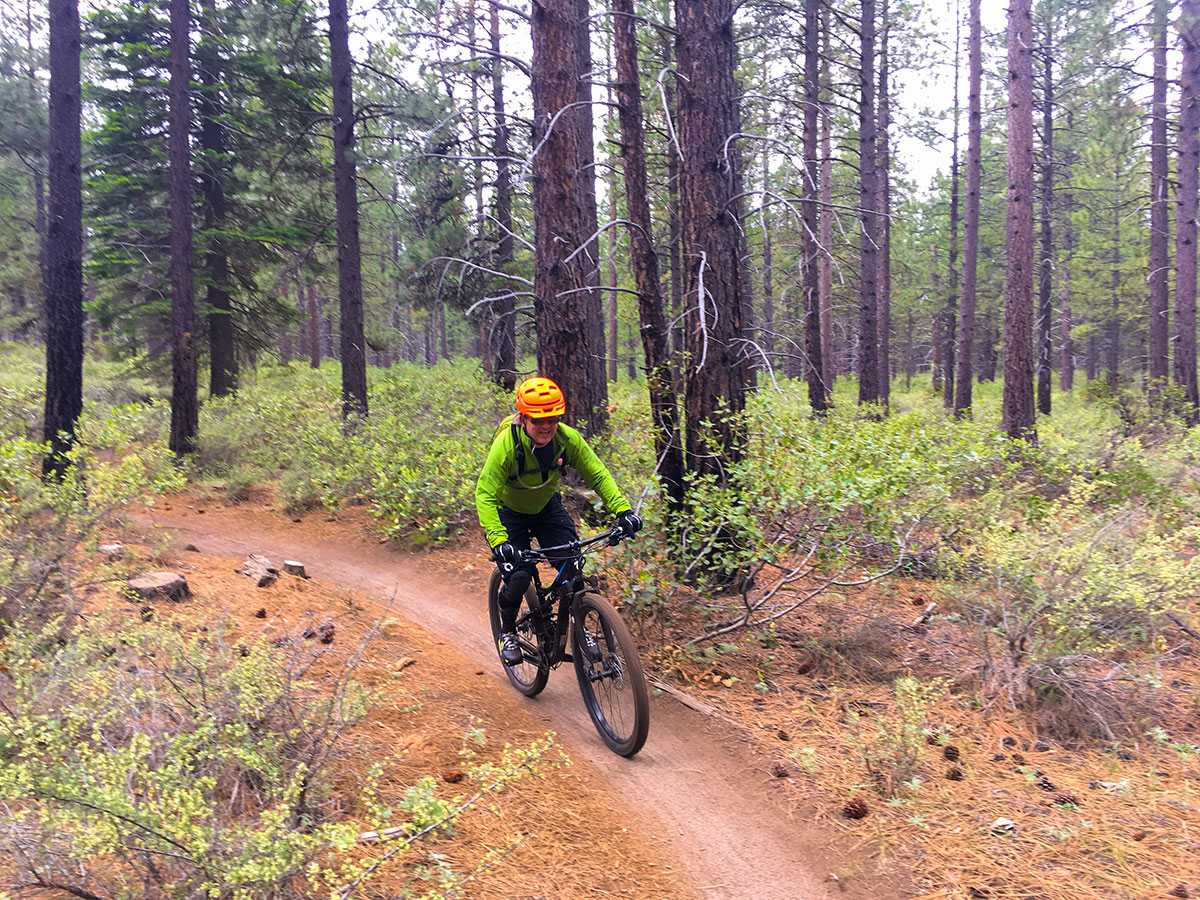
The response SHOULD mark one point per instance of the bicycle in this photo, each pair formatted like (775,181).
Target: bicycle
(605,657)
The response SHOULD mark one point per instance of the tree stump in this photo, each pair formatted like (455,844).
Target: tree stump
(292,567)
(260,569)
(160,586)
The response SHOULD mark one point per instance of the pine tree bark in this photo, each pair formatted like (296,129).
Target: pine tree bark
(810,252)
(1186,206)
(505,325)
(769,327)
(868,199)
(185,407)
(350,297)
(597,380)
(717,375)
(1018,405)
(63,271)
(1066,374)
(964,374)
(829,364)
(1160,258)
(937,326)
(950,324)
(564,275)
(644,259)
(883,184)
(614,347)
(223,365)
(1114,321)
(1046,269)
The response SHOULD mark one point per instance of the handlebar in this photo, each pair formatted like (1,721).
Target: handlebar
(612,537)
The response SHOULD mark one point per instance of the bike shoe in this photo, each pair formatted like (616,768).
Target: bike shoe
(510,650)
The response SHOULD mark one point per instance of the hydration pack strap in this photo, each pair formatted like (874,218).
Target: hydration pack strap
(519,450)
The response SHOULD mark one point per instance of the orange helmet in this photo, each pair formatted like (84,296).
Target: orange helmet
(539,398)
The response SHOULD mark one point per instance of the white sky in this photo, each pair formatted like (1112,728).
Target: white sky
(934,88)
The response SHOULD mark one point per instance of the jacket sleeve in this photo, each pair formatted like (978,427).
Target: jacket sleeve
(583,459)
(491,482)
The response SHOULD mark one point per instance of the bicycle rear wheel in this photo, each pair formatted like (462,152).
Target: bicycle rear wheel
(528,676)
(610,676)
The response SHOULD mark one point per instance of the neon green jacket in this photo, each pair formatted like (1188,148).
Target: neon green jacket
(528,491)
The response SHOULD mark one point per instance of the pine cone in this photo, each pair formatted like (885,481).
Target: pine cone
(1066,797)
(951,752)
(954,774)
(1180,890)
(1045,784)
(855,809)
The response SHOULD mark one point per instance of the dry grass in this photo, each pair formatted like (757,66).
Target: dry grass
(1091,820)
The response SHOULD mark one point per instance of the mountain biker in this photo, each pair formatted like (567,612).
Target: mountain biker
(517,497)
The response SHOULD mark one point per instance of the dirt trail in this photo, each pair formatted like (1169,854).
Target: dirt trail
(696,784)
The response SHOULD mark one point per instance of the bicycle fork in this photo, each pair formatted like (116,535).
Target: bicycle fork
(593,652)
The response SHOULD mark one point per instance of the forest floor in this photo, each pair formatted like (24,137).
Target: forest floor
(753,760)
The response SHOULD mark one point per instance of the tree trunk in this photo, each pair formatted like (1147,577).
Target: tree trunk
(1185,213)
(1114,322)
(883,179)
(1018,417)
(63,272)
(644,259)
(185,409)
(506,326)
(613,337)
(1066,373)
(39,185)
(811,252)
(868,253)
(350,298)
(987,351)
(564,283)
(675,225)
(717,375)
(768,273)
(314,328)
(937,324)
(597,377)
(970,264)
(223,366)
(950,326)
(1045,310)
(828,363)
(1160,254)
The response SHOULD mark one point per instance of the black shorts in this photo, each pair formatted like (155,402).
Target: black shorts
(550,527)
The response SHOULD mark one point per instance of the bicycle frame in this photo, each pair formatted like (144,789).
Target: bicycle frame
(558,602)
(602,649)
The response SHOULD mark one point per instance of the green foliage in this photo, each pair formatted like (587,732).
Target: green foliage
(415,460)
(1061,592)
(195,767)
(893,748)
(42,523)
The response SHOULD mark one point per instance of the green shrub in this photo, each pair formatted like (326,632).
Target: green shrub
(145,762)
(1060,596)
(894,744)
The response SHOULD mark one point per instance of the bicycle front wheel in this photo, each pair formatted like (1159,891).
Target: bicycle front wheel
(528,676)
(610,676)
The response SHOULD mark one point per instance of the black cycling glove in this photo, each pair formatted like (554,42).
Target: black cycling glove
(506,556)
(630,522)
